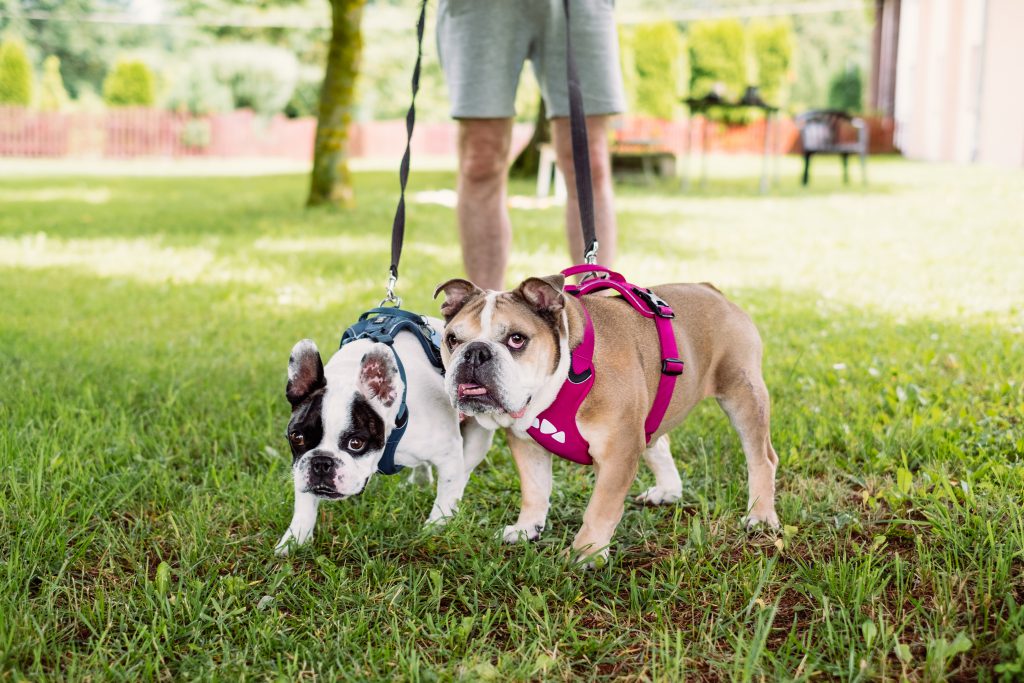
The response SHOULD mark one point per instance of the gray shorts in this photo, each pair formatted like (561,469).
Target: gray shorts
(482,45)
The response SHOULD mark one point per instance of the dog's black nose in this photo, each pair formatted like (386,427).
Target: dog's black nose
(478,353)
(321,465)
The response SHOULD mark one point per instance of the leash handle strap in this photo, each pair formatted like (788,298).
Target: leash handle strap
(580,147)
(398,226)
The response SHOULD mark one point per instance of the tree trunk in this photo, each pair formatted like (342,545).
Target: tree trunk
(331,182)
(528,161)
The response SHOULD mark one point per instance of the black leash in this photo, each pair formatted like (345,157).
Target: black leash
(580,149)
(398,226)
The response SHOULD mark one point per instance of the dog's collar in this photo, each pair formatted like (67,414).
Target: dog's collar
(555,428)
(382,325)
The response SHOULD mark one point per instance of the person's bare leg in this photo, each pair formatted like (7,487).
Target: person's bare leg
(484,226)
(600,175)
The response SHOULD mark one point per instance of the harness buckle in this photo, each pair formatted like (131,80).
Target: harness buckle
(655,303)
(672,366)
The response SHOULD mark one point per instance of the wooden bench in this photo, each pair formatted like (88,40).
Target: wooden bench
(828,131)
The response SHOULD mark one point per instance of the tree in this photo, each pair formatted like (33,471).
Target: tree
(718,58)
(52,94)
(15,74)
(331,181)
(129,84)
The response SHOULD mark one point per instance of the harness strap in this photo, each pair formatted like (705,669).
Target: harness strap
(649,305)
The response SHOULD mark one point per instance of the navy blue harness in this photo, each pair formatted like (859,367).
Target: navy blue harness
(382,325)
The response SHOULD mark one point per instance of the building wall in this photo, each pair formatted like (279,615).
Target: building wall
(958,83)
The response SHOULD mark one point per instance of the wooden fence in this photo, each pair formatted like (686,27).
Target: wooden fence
(139,132)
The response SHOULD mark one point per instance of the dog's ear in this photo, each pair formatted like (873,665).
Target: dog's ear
(305,372)
(378,376)
(544,293)
(457,293)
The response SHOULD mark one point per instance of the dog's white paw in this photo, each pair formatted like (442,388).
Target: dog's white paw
(514,533)
(659,496)
(586,560)
(767,518)
(284,545)
(291,540)
(436,521)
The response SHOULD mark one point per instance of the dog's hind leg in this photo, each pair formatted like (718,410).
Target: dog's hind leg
(745,400)
(668,487)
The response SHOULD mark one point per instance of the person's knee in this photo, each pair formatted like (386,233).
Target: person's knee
(484,157)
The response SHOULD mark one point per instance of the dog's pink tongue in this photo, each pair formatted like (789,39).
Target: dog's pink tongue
(471,390)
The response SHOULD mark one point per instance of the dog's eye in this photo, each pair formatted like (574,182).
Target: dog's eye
(355,444)
(297,438)
(516,341)
(452,341)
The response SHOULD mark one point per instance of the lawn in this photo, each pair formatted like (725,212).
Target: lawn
(146,325)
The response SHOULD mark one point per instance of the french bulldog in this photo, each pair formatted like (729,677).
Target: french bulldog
(507,354)
(342,416)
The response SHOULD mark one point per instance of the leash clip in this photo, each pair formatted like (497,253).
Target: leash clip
(590,258)
(391,297)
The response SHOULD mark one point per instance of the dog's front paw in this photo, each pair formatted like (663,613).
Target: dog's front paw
(767,518)
(290,540)
(659,496)
(436,520)
(585,559)
(515,533)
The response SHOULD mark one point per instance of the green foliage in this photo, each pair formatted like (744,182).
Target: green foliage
(826,44)
(718,58)
(129,84)
(196,90)
(846,91)
(657,52)
(52,94)
(305,100)
(260,77)
(771,44)
(15,74)
(718,63)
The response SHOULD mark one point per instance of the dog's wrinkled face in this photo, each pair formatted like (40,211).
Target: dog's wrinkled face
(340,419)
(501,349)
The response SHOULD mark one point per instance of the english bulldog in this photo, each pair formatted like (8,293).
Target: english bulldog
(506,356)
(342,416)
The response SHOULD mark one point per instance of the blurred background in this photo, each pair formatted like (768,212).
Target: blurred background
(91,81)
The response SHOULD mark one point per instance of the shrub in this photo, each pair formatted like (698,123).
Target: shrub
(717,56)
(846,90)
(657,56)
(260,77)
(15,74)
(718,63)
(197,91)
(130,83)
(771,43)
(53,96)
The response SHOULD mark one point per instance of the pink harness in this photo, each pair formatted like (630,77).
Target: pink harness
(555,428)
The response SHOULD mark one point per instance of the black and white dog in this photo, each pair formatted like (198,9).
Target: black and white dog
(342,416)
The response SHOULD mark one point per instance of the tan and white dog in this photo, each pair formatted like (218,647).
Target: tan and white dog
(507,355)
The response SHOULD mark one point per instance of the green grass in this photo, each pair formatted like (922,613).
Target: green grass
(146,324)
